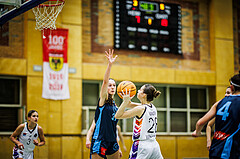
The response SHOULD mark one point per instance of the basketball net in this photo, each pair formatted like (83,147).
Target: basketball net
(46,14)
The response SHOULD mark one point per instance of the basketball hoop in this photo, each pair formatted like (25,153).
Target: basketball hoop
(47,13)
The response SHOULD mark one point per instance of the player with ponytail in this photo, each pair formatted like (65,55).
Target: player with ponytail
(144,145)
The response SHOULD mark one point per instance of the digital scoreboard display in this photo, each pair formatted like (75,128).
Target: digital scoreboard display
(148,26)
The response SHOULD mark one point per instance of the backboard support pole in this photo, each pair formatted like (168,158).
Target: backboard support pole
(19,10)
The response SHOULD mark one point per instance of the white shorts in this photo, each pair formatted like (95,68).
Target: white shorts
(17,153)
(147,149)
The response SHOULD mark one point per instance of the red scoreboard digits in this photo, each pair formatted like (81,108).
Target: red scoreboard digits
(164,22)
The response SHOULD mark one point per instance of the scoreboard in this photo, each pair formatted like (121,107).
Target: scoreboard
(148,26)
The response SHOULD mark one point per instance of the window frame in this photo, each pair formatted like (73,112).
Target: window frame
(188,110)
(167,109)
(19,105)
(87,108)
(20,92)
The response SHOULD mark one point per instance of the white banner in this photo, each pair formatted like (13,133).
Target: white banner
(55,84)
(55,66)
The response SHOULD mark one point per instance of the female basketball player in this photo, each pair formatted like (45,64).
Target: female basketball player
(119,137)
(27,135)
(144,145)
(104,140)
(226,139)
(212,122)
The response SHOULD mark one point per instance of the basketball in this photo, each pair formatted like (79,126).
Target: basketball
(126,85)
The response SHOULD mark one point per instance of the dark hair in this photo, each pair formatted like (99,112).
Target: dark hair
(31,112)
(112,79)
(110,98)
(235,82)
(151,92)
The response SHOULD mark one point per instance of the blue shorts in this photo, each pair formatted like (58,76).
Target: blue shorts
(103,148)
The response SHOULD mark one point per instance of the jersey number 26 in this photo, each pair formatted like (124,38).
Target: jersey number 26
(153,128)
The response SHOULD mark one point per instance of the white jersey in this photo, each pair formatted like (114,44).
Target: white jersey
(145,145)
(145,127)
(27,136)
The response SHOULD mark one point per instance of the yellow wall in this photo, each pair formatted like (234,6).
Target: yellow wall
(142,74)
(221,43)
(61,120)
(11,66)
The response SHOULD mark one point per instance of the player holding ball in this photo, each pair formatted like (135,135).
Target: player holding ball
(145,122)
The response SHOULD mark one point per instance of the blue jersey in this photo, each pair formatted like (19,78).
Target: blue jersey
(106,123)
(226,139)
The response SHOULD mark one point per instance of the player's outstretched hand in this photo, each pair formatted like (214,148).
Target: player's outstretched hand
(110,57)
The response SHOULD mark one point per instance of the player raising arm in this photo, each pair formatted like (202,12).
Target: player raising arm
(104,139)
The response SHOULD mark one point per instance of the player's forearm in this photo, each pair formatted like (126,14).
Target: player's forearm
(121,110)
(208,133)
(122,142)
(107,73)
(199,126)
(90,132)
(14,140)
(132,104)
(41,143)
(88,136)
(121,138)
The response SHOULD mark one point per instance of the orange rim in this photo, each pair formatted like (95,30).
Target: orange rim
(60,2)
